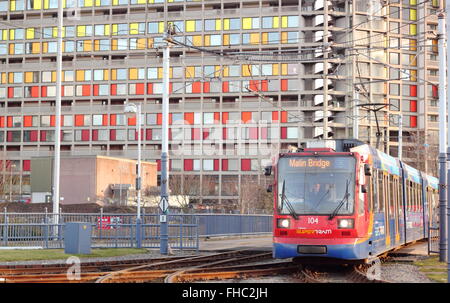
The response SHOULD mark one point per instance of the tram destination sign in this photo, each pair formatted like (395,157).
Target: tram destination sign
(320,162)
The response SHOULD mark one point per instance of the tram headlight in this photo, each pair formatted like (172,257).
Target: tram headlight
(346,223)
(283,223)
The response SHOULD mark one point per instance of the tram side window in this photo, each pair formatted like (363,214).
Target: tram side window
(400,195)
(369,185)
(386,191)
(376,191)
(391,194)
(408,195)
(381,191)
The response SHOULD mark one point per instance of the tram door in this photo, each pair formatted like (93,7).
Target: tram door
(387,203)
(396,206)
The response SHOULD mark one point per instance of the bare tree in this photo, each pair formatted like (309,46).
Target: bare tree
(254,196)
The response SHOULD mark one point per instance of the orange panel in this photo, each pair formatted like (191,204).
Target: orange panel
(27,121)
(189,118)
(79,120)
(246,116)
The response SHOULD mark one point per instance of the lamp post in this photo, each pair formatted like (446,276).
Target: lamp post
(132,110)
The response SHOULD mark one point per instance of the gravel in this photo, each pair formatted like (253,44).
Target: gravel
(403,273)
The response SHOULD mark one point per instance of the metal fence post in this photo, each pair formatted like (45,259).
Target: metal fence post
(138,233)
(181,232)
(5,229)
(197,244)
(101,224)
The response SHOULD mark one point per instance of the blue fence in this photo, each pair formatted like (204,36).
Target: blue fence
(120,230)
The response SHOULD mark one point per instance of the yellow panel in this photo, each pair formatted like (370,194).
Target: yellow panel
(114,74)
(284,37)
(134,28)
(412,2)
(284,21)
(11,34)
(46,4)
(87,45)
(114,29)
(141,43)
(161,27)
(55,32)
(96,45)
(12,5)
(276,22)
(132,73)
(207,40)
(106,74)
(264,39)
(141,1)
(114,44)
(11,49)
(98,3)
(81,31)
(217,71)
(246,70)
(246,23)
(226,71)
(30,33)
(115,2)
(413,29)
(80,75)
(36,48)
(226,39)
(3,78)
(190,71)
(226,24)
(53,76)
(37,4)
(413,60)
(190,25)
(412,14)
(275,69)
(413,75)
(106,30)
(5,35)
(87,3)
(45,47)
(28,77)
(10,78)
(197,41)
(284,69)
(218,24)
(254,38)
(160,72)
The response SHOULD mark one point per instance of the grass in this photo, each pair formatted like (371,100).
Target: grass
(51,254)
(433,269)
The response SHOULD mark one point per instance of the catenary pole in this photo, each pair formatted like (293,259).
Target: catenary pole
(164,201)
(443,74)
(442,139)
(57,158)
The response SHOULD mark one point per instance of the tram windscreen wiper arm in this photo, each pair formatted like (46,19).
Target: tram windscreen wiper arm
(288,204)
(346,195)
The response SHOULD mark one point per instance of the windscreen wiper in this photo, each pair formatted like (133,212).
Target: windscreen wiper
(346,195)
(320,200)
(288,204)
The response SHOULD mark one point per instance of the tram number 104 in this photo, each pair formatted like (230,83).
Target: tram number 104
(313,220)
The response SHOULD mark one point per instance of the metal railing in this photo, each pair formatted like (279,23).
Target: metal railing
(433,239)
(26,230)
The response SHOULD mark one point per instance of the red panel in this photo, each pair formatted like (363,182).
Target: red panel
(27,121)
(224,133)
(206,87)
(2,121)
(216,164)
(35,91)
(413,121)
(149,88)
(246,116)
(197,87)
(435,91)
(10,92)
(195,134)
(413,106)
(170,134)
(113,89)
(158,162)
(264,85)
(284,117)
(413,90)
(148,134)
(9,136)
(105,120)
(274,116)
(52,120)
(170,87)
(284,85)
(224,164)
(33,135)
(225,117)
(95,89)
(112,135)
(188,164)
(86,90)
(10,121)
(246,164)
(217,118)
(140,89)
(113,119)
(189,118)
(283,132)
(253,85)
(79,120)
(170,119)
(205,133)
(132,121)
(94,135)
(225,87)
(43,135)
(26,165)
(43,91)
(159,119)
(85,135)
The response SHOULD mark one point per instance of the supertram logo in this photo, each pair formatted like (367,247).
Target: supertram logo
(309,163)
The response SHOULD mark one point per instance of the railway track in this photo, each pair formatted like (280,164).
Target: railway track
(338,274)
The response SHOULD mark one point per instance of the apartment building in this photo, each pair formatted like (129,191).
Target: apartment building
(253,78)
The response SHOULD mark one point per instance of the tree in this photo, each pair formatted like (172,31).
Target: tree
(254,196)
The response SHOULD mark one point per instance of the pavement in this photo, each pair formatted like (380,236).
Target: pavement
(263,243)
(419,248)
